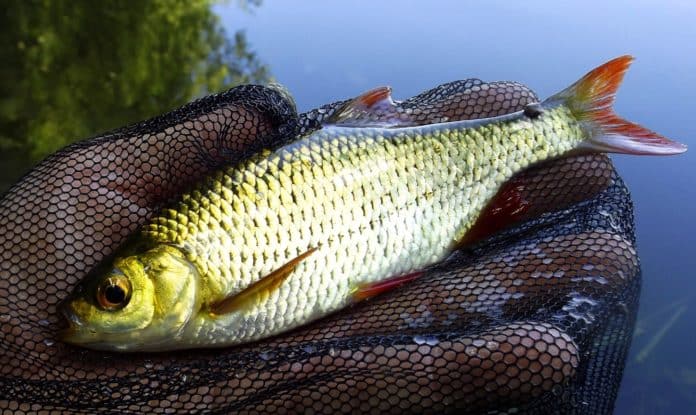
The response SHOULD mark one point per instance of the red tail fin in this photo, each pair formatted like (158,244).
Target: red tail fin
(591,98)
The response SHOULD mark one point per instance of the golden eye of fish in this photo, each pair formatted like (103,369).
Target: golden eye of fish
(114,293)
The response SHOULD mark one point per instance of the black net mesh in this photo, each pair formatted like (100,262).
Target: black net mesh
(458,100)
(534,319)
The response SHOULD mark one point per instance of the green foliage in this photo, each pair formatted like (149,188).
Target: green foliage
(70,69)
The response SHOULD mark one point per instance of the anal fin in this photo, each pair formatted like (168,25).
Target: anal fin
(258,290)
(507,207)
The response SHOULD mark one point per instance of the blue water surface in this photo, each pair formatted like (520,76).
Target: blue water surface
(324,51)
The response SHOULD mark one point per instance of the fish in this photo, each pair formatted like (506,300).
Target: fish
(351,210)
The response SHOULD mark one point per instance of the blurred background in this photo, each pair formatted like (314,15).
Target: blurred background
(73,69)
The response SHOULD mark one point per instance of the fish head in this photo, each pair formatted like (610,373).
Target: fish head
(136,303)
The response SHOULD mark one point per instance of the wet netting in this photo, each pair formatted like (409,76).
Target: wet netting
(535,318)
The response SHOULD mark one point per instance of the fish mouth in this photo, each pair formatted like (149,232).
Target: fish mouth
(75,332)
(83,337)
(78,335)
(68,334)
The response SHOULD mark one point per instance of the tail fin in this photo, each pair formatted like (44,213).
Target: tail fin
(591,98)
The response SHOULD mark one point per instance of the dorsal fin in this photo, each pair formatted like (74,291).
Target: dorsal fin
(374,108)
(376,97)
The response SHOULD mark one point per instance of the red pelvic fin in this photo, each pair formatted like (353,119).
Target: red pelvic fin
(368,290)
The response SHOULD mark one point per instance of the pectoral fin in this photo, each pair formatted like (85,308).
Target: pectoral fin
(259,290)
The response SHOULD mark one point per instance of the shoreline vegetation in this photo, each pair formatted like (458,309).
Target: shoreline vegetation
(74,69)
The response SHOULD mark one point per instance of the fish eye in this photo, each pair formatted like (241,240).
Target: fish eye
(114,293)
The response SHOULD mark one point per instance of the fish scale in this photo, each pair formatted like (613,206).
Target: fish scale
(404,196)
(347,211)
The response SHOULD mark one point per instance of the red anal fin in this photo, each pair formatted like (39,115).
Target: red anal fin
(368,290)
(507,207)
(259,290)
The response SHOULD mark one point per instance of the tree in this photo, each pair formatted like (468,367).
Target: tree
(71,69)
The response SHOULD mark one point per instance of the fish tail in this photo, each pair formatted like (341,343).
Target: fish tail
(590,100)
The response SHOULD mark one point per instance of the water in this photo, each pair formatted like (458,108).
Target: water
(323,51)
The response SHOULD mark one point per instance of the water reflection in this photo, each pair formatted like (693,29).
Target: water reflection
(72,69)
